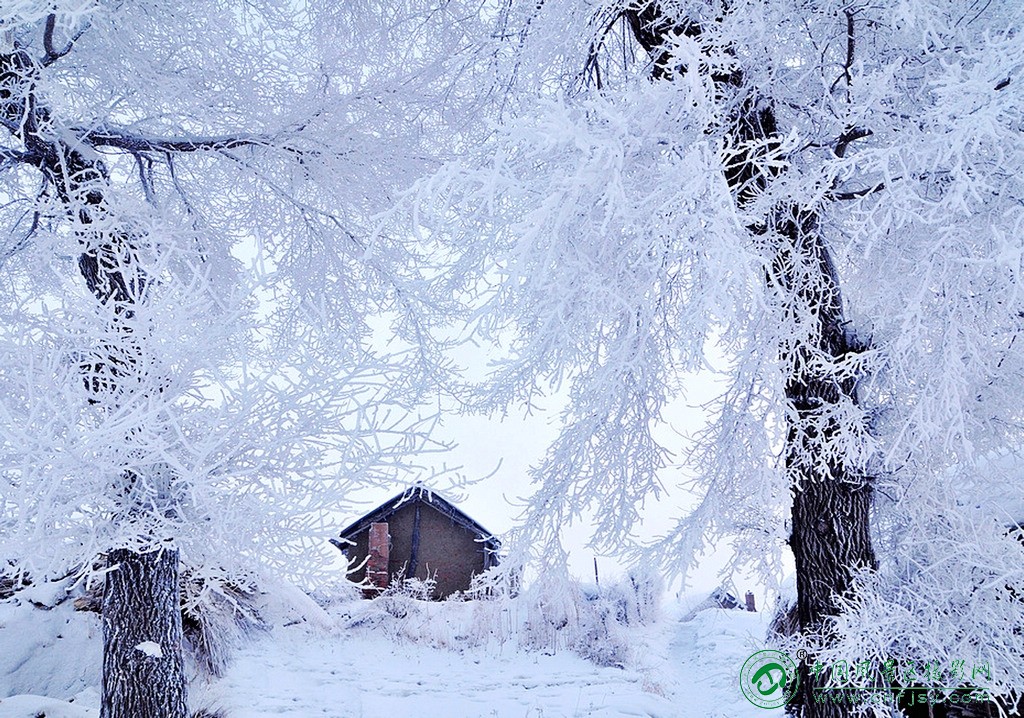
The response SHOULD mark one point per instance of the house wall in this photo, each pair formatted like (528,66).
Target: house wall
(447,552)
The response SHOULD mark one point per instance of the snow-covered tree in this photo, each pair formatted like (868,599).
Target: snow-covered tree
(191,267)
(821,200)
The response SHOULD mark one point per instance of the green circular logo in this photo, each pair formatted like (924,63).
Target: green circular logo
(769,679)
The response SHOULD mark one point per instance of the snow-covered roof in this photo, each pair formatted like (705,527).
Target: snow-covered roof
(425,496)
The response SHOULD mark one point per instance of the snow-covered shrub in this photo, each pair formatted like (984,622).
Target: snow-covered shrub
(405,613)
(636,598)
(216,616)
(785,621)
(416,589)
(553,614)
(550,606)
(331,594)
(401,598)
(598,635)
(599,626)
(495,582)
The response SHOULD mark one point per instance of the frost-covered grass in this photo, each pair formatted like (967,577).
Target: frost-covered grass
(400,657)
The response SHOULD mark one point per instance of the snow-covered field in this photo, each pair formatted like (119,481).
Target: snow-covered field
(351,662)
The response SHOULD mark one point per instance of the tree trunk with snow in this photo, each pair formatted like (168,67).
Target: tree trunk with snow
(143,668)
(830,536)
(141,603)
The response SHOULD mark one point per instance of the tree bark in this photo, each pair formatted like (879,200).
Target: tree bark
(143,668)
(830,536)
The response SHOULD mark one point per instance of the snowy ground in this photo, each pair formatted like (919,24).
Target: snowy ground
(346,665)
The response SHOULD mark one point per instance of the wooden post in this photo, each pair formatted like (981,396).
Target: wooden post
(414,551)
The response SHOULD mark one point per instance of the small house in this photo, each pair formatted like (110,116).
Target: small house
(418,534)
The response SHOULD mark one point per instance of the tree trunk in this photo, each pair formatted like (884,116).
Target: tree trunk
(830,533)
(141,605)
(143,669)
(830,536)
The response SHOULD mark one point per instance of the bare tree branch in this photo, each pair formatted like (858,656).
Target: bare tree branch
(9,157)
(850,136)
(52,55)
(850,47)
(857,194)
(105,136)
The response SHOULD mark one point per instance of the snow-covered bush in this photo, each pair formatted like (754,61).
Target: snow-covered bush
(495,582)
(216,617)
(599,625)
(400,595)
(553,614)
(333,593)
(636,597)
(598,635)
(404,612)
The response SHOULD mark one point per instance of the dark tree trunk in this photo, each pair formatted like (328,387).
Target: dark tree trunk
(143,669)
(141,603)
(830,537)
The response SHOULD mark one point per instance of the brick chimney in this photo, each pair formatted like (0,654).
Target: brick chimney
(380,553)
(750,601)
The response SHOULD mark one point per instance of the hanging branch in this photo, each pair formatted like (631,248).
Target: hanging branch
(52,54)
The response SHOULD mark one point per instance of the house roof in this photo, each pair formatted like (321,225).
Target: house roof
(427,497)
